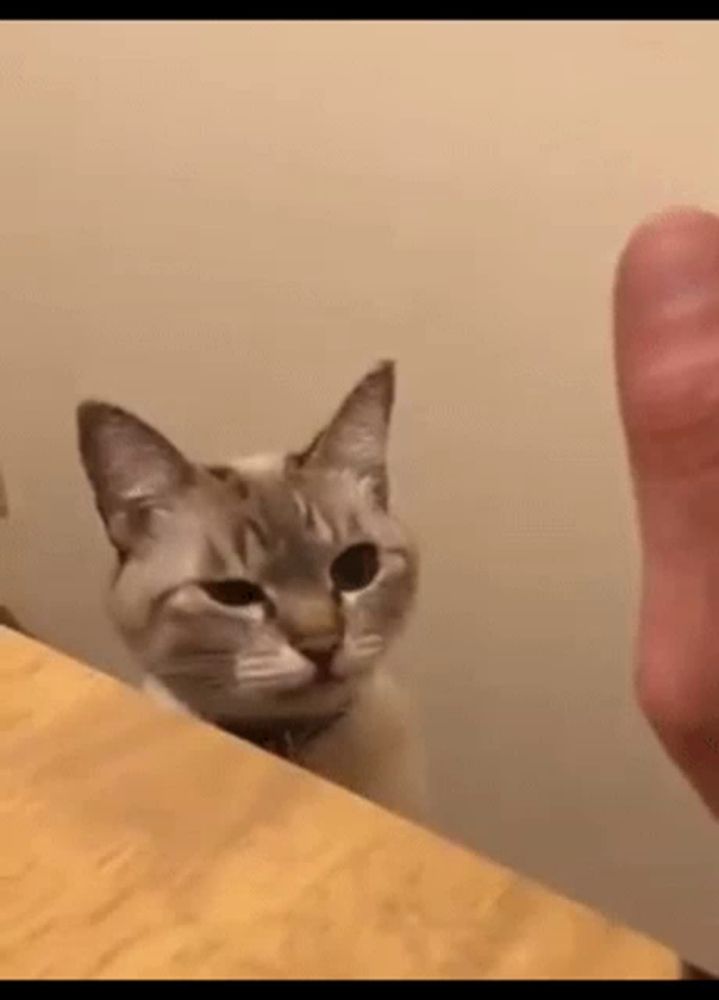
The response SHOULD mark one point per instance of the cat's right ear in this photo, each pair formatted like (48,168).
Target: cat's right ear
(133,469)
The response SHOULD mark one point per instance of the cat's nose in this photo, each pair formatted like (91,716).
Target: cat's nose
(321,655)
(313,626)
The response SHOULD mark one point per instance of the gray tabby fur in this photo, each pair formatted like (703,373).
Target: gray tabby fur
(278,521)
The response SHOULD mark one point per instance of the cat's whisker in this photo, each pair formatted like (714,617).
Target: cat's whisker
(368,646)
(249,663)
(268,677)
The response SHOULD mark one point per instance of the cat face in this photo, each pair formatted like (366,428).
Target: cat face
(268,586)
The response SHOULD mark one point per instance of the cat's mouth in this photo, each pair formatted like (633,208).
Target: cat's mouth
(322,680)
(322,660)
(317,674)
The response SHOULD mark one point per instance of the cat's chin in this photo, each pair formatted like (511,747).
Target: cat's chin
(293,694)
(303,682)
(323,684)
(310,699)
(289,687)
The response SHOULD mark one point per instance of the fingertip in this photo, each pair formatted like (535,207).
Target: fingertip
(674,217)
(670,258)
(675,235)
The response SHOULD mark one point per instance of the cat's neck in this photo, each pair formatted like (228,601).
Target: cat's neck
(288,738)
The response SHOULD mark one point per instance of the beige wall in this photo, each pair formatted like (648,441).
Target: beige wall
(223,225)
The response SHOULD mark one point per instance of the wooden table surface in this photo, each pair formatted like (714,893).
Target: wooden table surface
(137,844)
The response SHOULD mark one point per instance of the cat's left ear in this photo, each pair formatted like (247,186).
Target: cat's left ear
(133,469)
(356,437)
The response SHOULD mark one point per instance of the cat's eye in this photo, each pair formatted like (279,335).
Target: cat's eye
(234,593)
(356,567)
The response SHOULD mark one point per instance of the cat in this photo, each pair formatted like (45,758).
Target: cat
(262,595)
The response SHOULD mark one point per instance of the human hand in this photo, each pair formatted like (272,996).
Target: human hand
(666,326)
